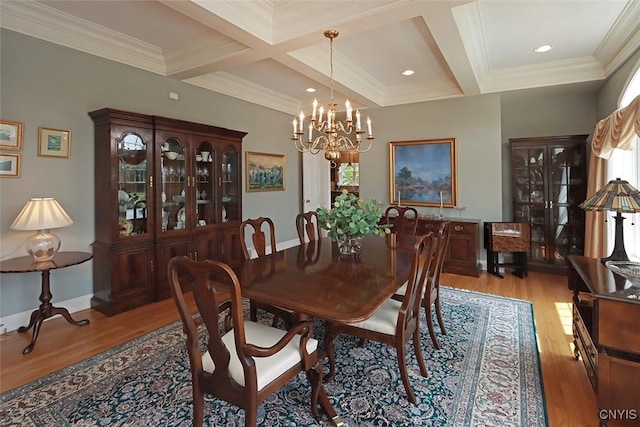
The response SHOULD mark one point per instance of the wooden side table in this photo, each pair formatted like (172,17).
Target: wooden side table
(26,264)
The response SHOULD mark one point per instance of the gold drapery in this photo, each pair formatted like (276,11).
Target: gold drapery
(619,130)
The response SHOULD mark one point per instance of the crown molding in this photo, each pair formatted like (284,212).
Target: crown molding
(236,87)
(622,41)
(42,22)
(550,74)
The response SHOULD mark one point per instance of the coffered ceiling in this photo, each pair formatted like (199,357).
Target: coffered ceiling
(269,51)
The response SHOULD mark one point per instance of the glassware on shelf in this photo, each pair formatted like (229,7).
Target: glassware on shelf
(459,209)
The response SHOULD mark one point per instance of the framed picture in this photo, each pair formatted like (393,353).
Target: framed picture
(423,173)
(54,143)
(264,172)
(10,135)
(10,165)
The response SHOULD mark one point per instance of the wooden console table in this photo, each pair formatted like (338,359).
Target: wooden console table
(26,264)
(606,320)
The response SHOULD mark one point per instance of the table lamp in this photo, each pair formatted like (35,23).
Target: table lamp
(42,214)
(618,196)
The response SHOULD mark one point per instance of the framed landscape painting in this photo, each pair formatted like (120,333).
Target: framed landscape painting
(264,172)
(10,165)
(10,135)
(423,173)
(54,143)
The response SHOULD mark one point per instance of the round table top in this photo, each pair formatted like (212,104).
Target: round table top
(26,264)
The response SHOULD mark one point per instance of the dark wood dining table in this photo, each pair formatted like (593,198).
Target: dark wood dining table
(314,280)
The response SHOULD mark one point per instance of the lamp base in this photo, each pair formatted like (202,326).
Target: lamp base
(619,253)
(43,245)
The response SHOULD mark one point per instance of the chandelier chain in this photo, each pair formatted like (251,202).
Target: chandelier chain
(334,135)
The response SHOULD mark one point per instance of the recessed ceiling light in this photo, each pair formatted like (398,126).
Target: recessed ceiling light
(544,48)
(310,89)
(408,72)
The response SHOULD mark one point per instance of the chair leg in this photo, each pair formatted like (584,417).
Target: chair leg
(418,351)
(439,314)
(198,407)
(314,375)
(427,312)
(403,372)
(329,347)
(251,416)
(253,312)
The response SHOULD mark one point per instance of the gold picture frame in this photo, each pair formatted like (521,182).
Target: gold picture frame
(10,165)
(264,172)
(54,143)
(423,173)
(10,135)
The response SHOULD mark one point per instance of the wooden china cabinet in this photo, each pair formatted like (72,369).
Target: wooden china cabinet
(549,181)
(163,187)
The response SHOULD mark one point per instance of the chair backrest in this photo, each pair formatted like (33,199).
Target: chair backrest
(307,223)
(423,256)
(444,231)
(405,219)
(216,290)
(259,228)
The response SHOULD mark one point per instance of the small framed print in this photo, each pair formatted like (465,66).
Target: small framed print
(54,143)
(264,171)
(10,135)
(10,165)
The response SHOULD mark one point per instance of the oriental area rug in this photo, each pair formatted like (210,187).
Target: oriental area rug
(487,373)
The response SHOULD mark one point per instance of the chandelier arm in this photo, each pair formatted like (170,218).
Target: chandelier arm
(335,136)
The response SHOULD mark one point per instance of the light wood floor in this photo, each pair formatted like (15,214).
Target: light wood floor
(570,399)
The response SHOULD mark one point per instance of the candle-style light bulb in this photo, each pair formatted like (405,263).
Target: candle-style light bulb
(358,127)
(310,131)
(320,116)
(301,120)
(369,126)
(347,104)
(315,105)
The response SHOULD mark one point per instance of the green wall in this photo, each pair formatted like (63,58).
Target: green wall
(43,84)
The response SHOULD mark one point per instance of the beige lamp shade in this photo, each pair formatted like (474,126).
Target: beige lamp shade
(42,214)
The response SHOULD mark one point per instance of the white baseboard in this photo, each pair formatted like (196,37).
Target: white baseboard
(14,321)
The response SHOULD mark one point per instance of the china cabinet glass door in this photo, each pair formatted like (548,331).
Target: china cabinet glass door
(549,183)
(132,185)
(567,192)
(229,180)
(530,197)
(173,185)
(204,185)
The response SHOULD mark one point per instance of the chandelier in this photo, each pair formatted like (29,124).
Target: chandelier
(333,136)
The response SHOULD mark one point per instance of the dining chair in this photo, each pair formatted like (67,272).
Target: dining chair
(396,321)
(431,293)
(307,224)
(246,364)
(403,218)
(263,230)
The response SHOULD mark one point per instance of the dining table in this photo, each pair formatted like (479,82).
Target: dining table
(315,280)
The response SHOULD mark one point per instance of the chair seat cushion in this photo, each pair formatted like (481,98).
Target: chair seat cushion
(267,368)
(384,320)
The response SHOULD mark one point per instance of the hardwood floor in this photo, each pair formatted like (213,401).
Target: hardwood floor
(570,399)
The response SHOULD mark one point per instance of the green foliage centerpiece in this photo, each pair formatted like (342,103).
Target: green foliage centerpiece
(349,219)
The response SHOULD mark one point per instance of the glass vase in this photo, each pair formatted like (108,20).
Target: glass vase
(349,246)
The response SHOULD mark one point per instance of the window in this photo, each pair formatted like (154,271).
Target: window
(624,164)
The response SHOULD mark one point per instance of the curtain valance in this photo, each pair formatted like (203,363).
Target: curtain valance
(617,131)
